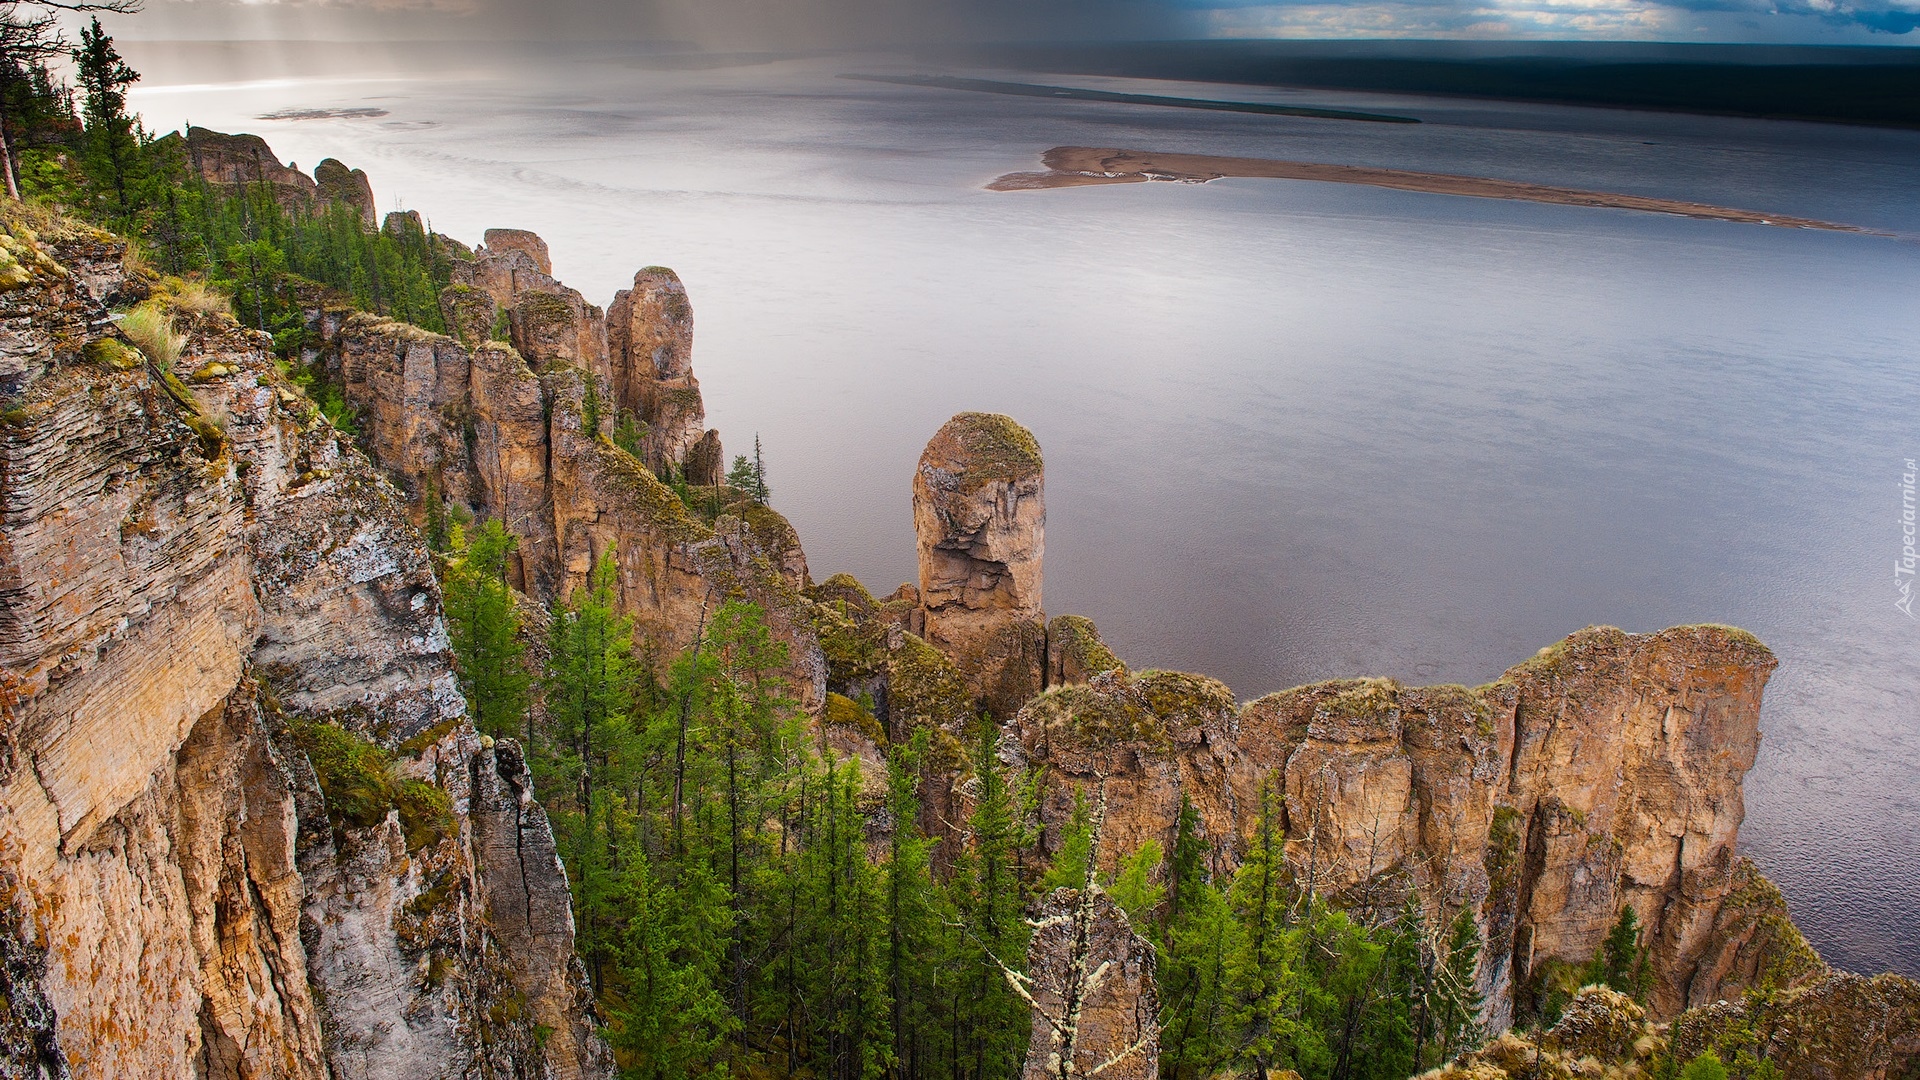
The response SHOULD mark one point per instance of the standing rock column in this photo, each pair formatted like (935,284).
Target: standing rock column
(650,351)
(980,514)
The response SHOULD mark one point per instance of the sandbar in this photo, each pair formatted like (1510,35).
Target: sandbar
(1075,166)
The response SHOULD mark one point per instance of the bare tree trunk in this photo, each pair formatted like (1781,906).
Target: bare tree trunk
(6,151)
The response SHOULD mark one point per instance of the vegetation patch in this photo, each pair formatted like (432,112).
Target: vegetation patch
(358,781)
(995,447)
(844,712)
(924,689)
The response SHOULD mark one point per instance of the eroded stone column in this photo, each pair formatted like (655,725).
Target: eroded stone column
(980,514)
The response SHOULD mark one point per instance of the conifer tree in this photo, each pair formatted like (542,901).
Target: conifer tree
(484,628)
(991,1021)
(1267,972)
(112,138)
(1457,1003)
(1622,960)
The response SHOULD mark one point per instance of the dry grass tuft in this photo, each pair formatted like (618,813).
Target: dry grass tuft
(150,328)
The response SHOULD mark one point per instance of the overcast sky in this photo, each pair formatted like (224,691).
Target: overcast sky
(782,24)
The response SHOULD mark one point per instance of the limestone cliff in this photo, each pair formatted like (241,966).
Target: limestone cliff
(1604,772)
(522,432)
(203,589)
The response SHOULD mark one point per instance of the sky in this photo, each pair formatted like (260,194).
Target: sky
(790,24)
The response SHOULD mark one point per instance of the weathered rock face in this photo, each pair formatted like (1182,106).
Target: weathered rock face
(237,160)
(1604,772)
(196,571)
(1152,736)
(524,242)
(337,183)
(1095,1003)
(476,425)
(233,161)
(979,514)
(1837,1026)
(1075,652)
(650,350)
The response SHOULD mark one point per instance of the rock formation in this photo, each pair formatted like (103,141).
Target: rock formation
(521,432)
(1836,1027)
(335,183)
(1075,652)
(235,161)
(1605,772)
(650,346)
(1096,1009)
(201,579)
(979,513)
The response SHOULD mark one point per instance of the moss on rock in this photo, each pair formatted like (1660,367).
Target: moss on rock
(844,712)
(925,689)
(985,447)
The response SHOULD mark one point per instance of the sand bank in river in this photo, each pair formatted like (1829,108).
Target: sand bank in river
(1074,166)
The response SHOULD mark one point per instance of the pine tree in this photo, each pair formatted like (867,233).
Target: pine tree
(1622,960)
(1268,970)
(1069,869)
(112,139)
(589,691)
(990,1023)
(1133,886)
(484,629)
(1457,1002)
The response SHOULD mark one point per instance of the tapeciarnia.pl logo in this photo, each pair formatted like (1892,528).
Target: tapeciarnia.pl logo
(1903,567)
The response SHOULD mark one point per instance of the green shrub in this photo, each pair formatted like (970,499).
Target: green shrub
(358,780)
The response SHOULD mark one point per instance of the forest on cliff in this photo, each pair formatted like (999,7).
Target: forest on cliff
(747,900)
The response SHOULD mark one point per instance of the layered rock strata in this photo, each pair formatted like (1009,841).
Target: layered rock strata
(522,432)
(198,574)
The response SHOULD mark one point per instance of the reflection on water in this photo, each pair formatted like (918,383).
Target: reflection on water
(1293,430)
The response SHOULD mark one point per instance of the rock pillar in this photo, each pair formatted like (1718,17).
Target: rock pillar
(980,515)
(650,352)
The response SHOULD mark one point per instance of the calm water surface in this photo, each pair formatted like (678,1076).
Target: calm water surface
(1293,431)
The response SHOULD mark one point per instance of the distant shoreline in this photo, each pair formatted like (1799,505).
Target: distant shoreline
(1072,93)
(1077,166)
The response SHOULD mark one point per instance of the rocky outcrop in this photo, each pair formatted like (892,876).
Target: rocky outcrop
(1602,1033)
(335,183)
(1605,772)
(1075,652)
(650,351)
(237,161)
(979,514)
(501,241)
(471,421)
(1837,1026)
(1096,1010)
(200,574)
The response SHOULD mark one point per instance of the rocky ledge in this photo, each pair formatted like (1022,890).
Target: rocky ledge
(245,827)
